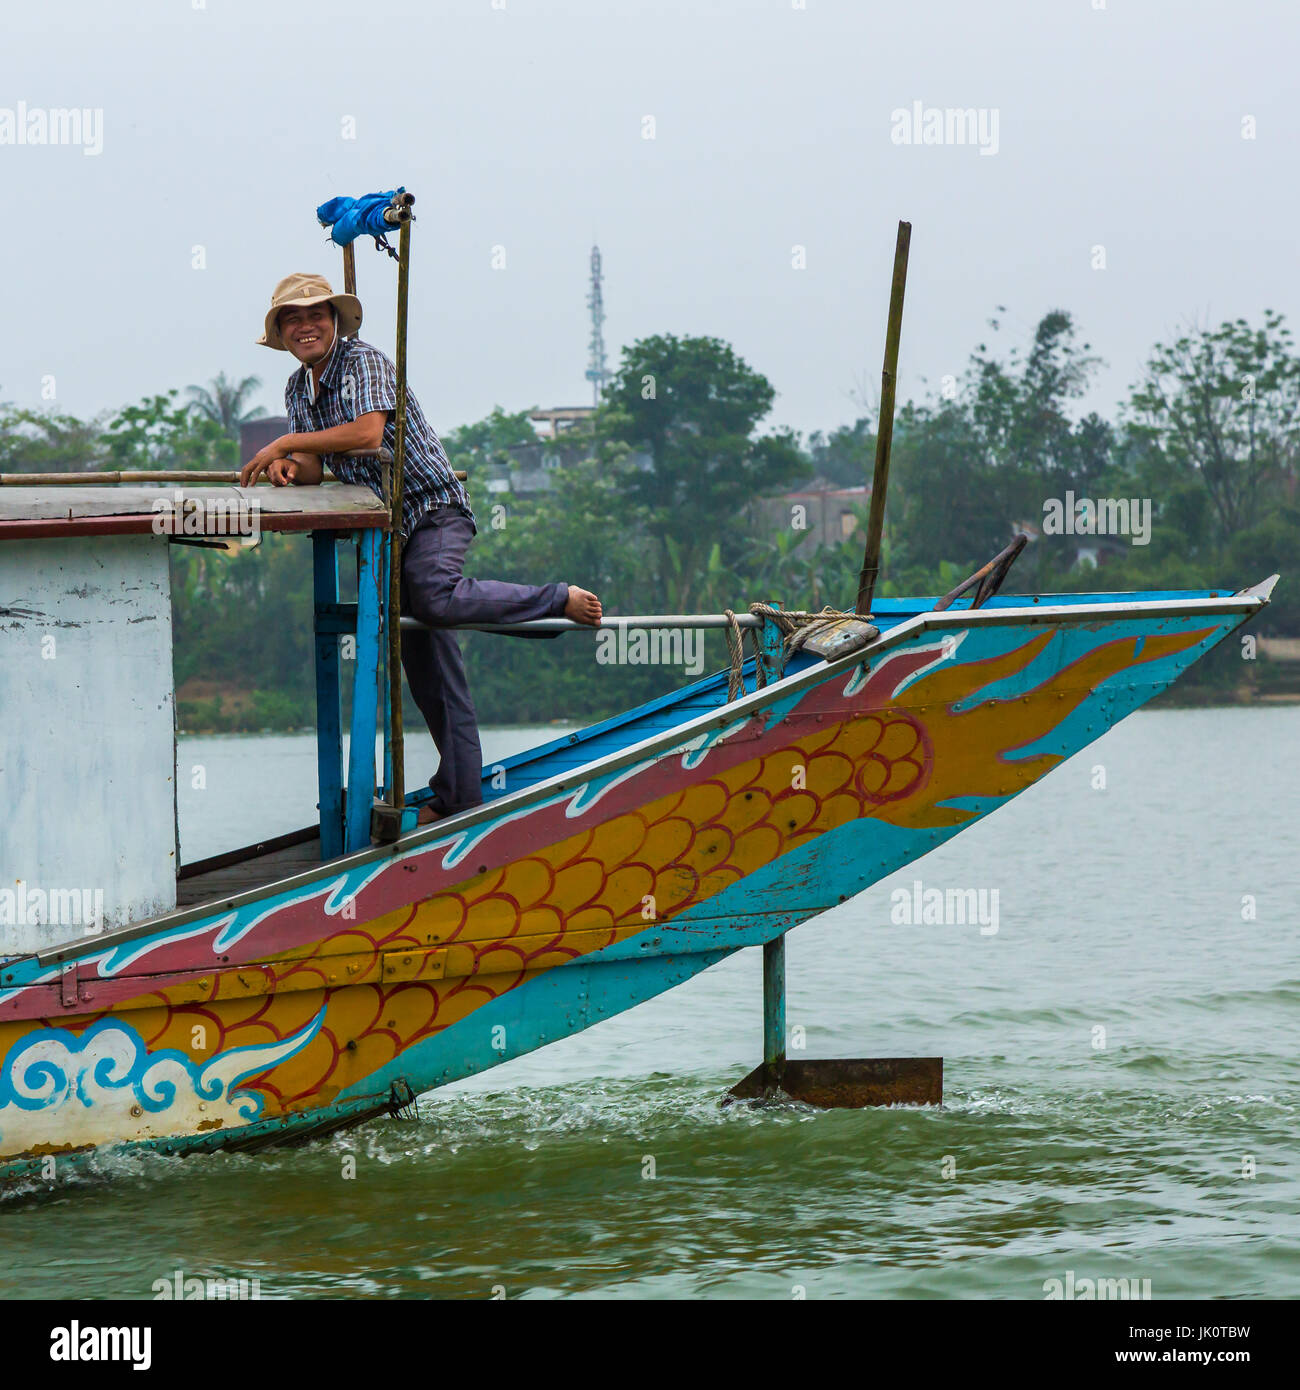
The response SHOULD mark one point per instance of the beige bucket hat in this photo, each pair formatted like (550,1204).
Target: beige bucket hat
(300,290)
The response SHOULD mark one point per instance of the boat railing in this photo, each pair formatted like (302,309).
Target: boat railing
(555,626)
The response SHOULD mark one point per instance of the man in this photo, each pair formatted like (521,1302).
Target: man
(343,397)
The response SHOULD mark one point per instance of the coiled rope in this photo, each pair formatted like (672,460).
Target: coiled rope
(797,626)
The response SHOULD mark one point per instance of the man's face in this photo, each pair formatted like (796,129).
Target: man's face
(308,332)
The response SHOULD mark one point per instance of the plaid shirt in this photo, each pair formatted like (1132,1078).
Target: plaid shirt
(359,379)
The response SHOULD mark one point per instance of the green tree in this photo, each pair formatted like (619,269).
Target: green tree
(487,443)
(971,465)
(161,434)
(243,621)
(1221,407)
(845,456)
(947,498)
(583,531)
(223,401)
(38,441)
(695,406)
(1022,413)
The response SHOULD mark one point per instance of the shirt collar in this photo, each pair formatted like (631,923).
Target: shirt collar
(330,372)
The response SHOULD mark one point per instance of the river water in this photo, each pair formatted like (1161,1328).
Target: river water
(1122,1087)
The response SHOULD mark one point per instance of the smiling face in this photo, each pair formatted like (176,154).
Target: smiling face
(308,332)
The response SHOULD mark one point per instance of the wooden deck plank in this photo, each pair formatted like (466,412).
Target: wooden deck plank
(251,873)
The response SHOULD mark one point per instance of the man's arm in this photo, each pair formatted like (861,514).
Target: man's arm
(365,432)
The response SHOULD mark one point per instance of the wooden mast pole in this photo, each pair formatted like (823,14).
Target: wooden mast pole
(397,788)
(350,271)
(389,825)
(885,428)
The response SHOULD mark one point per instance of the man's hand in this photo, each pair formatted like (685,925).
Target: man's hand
(274,459)
(283,472)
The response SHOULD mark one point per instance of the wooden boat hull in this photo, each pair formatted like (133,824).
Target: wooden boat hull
(592,884)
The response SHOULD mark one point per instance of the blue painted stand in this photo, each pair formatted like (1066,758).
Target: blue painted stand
(345,815)
(365,689)
(329,732)
(383,686)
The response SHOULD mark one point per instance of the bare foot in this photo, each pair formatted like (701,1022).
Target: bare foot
(426,816)
(583,607)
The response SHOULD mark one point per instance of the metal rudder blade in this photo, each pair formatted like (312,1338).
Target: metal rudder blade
(845,1083)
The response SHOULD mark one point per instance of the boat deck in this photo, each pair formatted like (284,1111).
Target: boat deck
(224,875)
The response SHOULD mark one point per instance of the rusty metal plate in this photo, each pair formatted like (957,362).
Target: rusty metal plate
(846,1083)
(839,638)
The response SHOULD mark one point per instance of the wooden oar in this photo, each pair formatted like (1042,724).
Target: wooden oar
(885,429)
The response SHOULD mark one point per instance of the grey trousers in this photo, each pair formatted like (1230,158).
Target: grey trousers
(436,592)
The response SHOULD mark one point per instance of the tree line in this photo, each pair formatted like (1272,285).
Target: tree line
(656,512)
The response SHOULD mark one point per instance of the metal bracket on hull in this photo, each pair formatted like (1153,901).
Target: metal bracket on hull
(840,1083)
(74,981)
(389,823)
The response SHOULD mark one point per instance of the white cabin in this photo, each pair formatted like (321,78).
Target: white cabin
(88,834)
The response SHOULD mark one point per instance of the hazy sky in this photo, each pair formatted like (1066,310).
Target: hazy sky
(520,124)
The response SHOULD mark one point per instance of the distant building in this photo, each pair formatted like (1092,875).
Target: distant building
(564,437)
(828,513)
(550,424)
(257,434)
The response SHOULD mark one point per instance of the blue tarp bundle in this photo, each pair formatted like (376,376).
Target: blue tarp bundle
(354,217)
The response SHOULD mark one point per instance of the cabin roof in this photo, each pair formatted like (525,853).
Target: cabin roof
(30,512)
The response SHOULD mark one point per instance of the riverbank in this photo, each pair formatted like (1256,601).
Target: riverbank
(216,707)
(224,707)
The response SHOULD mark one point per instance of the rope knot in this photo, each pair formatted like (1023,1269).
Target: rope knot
(797,626)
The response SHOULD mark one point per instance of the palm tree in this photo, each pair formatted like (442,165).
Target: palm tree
(224,402)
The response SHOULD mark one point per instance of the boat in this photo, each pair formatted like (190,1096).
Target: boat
(305,984)
(285,995)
